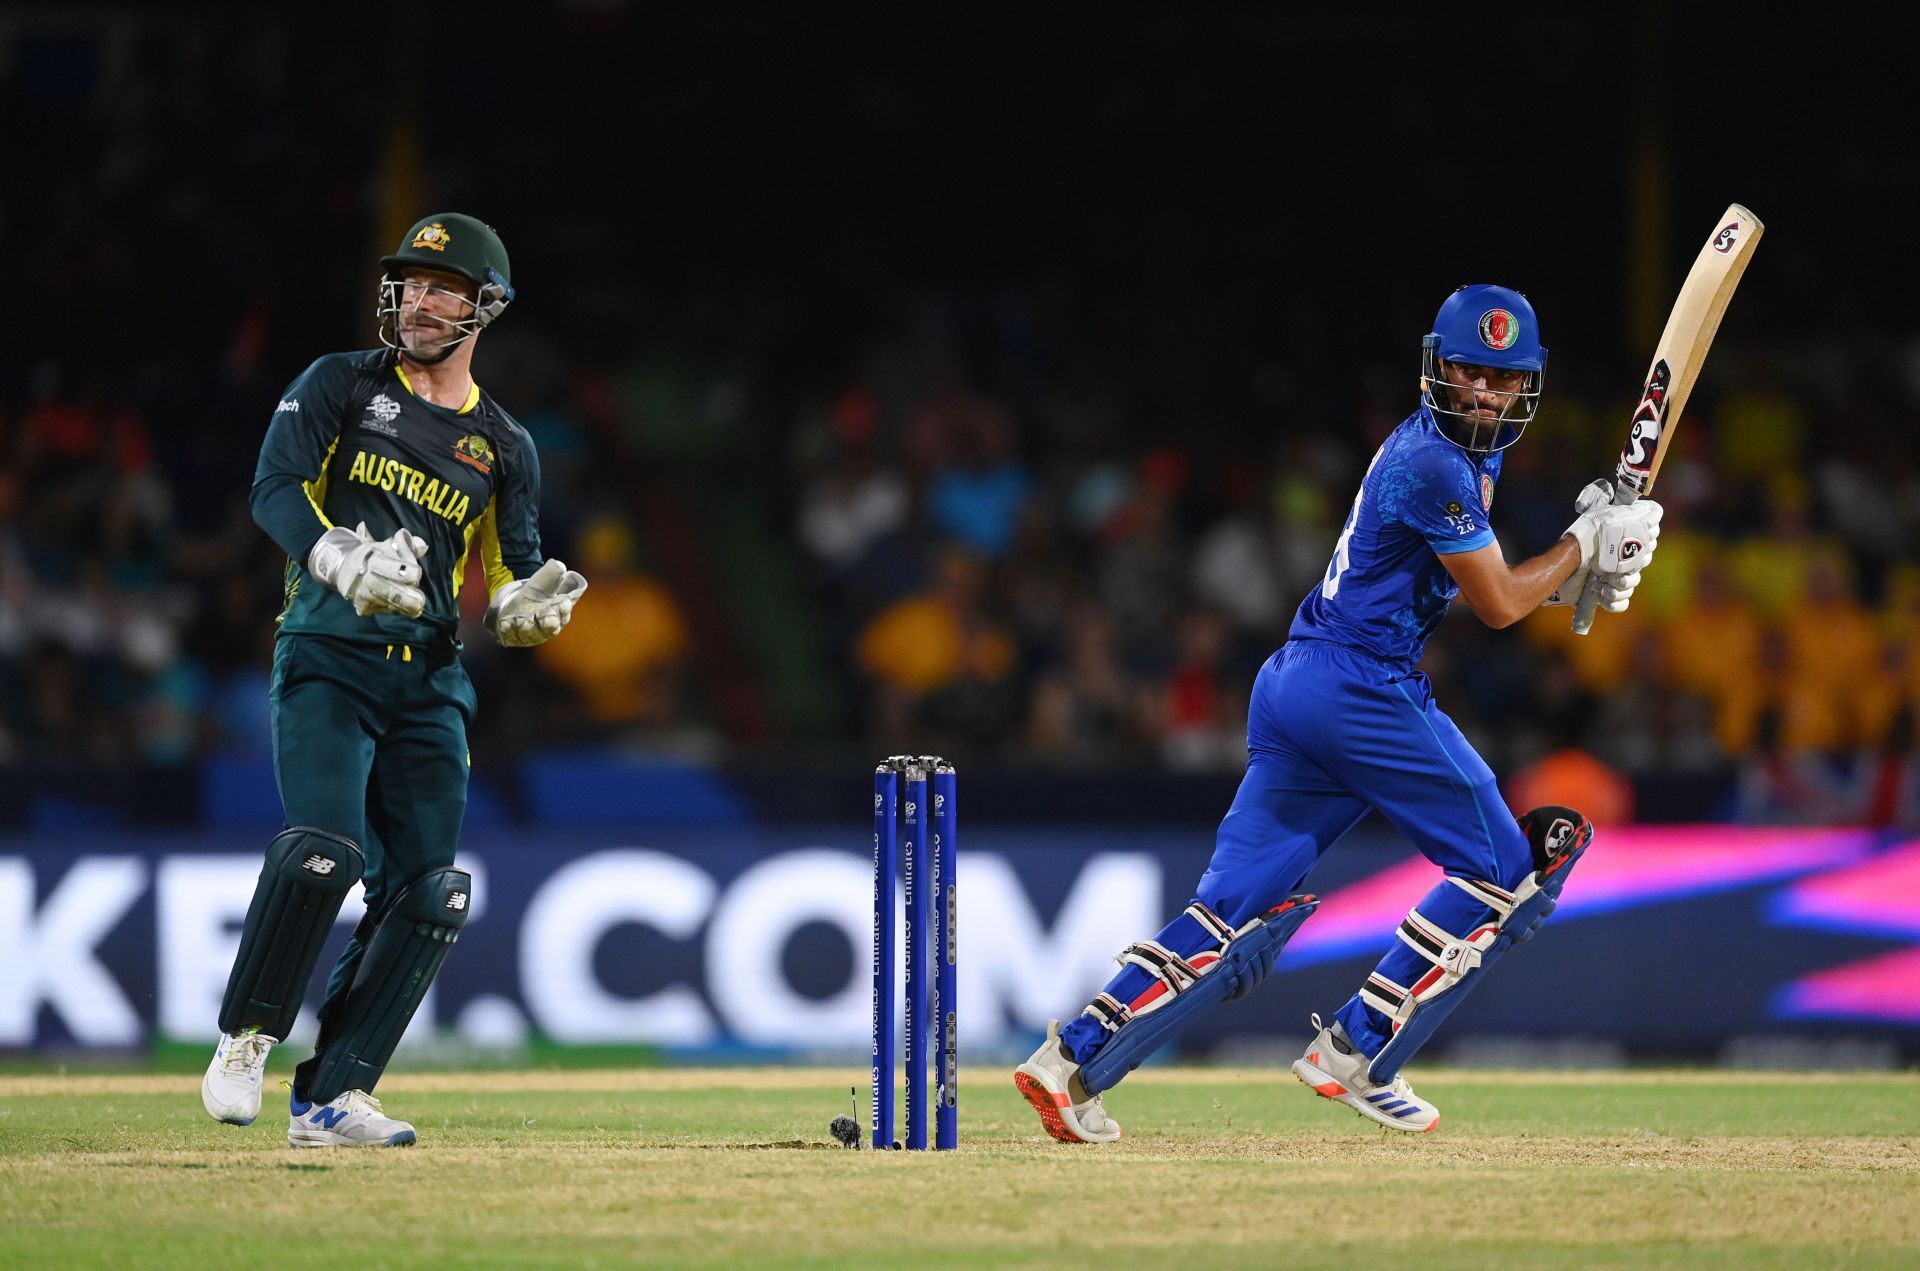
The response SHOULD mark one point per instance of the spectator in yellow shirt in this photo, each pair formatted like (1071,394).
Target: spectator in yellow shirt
(623,653)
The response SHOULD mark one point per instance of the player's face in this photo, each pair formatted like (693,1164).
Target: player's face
(1482,392)
(430,303)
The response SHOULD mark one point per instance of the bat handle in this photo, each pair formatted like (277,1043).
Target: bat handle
(1589,602)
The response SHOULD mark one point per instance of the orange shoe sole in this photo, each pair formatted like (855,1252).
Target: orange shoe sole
(1047,1104)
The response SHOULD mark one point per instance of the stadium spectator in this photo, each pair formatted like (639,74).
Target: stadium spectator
(623,654)
(1090,709)
(930,642)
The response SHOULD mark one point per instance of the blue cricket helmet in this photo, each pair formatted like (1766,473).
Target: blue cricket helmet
(1488,326)
(1484,325)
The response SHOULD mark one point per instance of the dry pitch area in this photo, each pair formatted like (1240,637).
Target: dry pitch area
(1219,1168)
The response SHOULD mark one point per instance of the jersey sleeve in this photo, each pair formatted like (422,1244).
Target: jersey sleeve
(290,481)
(1438,494)
(510,544)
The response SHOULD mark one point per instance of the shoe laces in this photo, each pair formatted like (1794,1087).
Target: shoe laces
(245,1052)
(361,1101)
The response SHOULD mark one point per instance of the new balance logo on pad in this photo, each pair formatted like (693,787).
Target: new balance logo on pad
(318,864)
(456,900)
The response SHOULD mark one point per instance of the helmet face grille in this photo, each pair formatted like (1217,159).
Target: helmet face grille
(1470,432)
(392,300)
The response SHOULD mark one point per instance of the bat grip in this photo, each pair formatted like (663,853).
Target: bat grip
(1589,602)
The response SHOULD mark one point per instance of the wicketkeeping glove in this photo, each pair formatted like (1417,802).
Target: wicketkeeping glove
(374,575)
(533,610)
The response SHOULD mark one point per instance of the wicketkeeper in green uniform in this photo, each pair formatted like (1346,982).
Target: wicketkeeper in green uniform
(380,473)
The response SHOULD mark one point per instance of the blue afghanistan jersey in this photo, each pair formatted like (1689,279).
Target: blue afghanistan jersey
(1385,590)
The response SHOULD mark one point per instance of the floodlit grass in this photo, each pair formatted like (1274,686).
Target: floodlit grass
(1219,1167)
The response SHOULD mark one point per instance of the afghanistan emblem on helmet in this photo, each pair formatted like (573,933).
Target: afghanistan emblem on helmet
(1499,329)
(474,451)
(435,236)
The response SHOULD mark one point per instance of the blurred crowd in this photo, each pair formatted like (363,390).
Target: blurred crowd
(997,586)
(996,525)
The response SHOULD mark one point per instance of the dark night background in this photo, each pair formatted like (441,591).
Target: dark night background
(1160,267)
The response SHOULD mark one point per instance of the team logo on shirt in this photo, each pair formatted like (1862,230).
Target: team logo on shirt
(434,237)
(1486,491)
(1499,329)
(474,451)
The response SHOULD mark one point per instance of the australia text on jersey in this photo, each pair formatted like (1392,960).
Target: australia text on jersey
(441,498)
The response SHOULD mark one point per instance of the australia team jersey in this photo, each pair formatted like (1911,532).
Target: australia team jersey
(349,442)
(1385,590)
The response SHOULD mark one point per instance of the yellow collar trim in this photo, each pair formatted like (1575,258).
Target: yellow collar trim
(473,390)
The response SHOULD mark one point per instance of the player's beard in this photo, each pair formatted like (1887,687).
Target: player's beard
(428,341)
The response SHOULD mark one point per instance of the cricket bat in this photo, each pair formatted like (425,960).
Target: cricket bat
(1676,365)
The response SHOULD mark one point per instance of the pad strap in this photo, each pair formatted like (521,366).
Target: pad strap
(1173,973)
(1110,1011)
(1183,986)
(1390,999)
(1163,964)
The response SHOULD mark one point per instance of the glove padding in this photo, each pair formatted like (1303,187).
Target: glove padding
(1612,592)
(374,575)
(533,610)
(1617,538)
(1597,494)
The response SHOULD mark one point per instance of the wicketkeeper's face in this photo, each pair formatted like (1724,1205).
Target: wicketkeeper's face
(1482,392)
(430,303)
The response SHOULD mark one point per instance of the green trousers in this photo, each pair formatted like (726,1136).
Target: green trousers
(370,742)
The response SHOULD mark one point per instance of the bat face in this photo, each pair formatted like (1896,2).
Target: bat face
(1643,437)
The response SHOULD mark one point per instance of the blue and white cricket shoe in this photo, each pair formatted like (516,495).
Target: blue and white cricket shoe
(230,1091)
(1337,1070)
(352,1120)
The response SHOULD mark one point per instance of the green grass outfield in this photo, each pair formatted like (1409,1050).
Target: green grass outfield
(1219,1167)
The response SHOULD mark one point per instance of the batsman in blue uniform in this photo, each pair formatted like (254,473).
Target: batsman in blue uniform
(1343,722)
(380,472)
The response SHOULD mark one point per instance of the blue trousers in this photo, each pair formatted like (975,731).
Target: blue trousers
(1332,733)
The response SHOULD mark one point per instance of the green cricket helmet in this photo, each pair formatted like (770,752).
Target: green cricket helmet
(454,243)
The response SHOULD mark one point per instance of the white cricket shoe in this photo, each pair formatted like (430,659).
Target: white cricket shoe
(353,1119)
(1337,1070)
(230,1091)
(1049,1080)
